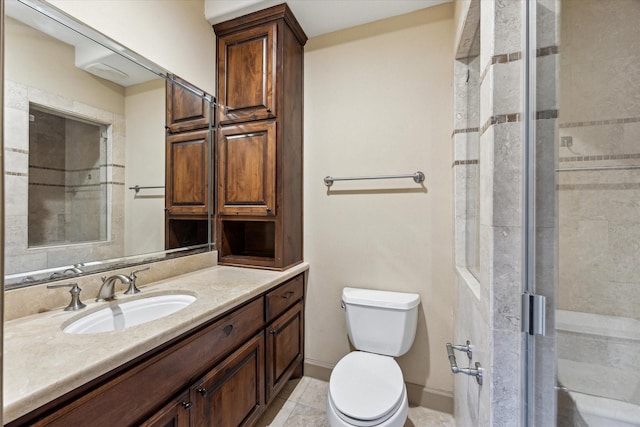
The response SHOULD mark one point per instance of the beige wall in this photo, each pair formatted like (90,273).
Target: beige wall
(145,166)
(378,101)
(173,33)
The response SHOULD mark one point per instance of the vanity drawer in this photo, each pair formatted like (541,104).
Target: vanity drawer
(235,328)
(283,297)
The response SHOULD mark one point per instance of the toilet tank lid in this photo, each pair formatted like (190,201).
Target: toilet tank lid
(376,298)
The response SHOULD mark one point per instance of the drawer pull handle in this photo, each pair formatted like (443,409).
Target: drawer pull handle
(288,295)
(202,391)
(186,405)
(227,330)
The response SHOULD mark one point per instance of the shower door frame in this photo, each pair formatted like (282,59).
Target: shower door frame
(539,251)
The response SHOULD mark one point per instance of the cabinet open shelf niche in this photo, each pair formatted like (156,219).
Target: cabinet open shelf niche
(243,241)
(186,232)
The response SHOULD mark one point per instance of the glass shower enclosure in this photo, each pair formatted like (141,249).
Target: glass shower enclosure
(583,164)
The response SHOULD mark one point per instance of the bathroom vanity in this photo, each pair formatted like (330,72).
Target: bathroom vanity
(219,361)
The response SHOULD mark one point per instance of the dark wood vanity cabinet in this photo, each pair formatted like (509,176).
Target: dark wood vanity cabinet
(186,108)
(259,144)
(223,373)
(175,414)
(187,185)
(284,311)
(246,72)
(246,169)
(285,349)
(188,165)
(232,394)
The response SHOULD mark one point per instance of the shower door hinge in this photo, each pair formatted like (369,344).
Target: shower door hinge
(533,314)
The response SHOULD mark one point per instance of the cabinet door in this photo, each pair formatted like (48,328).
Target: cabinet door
(285,348)
(246,77)
(175,414)
(187,181)
(247,170)
(185,110)
(232,394)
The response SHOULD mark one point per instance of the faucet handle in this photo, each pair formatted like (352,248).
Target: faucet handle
(133,289)
(134,272)
(75,303)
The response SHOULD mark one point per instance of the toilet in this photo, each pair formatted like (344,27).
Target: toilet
(366,387)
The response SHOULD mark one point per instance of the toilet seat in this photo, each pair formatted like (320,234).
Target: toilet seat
(366,389)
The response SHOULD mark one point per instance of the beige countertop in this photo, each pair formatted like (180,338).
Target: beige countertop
(42,363)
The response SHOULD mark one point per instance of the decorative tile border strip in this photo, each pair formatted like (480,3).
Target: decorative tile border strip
(546,114)
(600,122)
(465,162)
(467,130)
(614,186)
(47,168)
(96,168)
(501,118)
(16,174)
(516,117)
(599,157)
(499,59)
(505,58)
(17,150)
(41,184)
(546,51)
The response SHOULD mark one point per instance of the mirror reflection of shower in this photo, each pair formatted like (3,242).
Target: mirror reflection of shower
(67,180)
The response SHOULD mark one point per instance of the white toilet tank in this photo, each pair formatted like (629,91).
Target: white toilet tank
(381,322)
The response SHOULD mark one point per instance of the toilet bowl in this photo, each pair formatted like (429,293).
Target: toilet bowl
(366,387)
(366,390)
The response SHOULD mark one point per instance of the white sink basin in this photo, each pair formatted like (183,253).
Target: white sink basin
(124,315)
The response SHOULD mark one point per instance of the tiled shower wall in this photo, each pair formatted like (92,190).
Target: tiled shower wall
(600,130)
(18,256)
(67,198)
(489,303)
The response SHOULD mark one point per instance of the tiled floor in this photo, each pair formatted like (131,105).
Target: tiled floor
(302,403)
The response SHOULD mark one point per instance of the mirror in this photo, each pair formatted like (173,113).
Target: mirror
(84,145)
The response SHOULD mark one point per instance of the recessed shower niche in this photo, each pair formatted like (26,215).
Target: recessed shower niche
(67,195)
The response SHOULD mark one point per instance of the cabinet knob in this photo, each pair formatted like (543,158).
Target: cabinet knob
(227,330)
(202,391)
(273,332)
(186,405)
(167,210)
(268,210)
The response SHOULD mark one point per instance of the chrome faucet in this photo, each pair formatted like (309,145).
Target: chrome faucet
(75,270)
(107,290)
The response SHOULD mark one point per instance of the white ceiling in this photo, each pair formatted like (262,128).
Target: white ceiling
(320,16)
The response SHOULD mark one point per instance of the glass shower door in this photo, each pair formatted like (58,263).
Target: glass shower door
(584,207)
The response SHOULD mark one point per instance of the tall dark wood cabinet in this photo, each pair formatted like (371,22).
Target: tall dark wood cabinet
(188,163)
(259,141)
